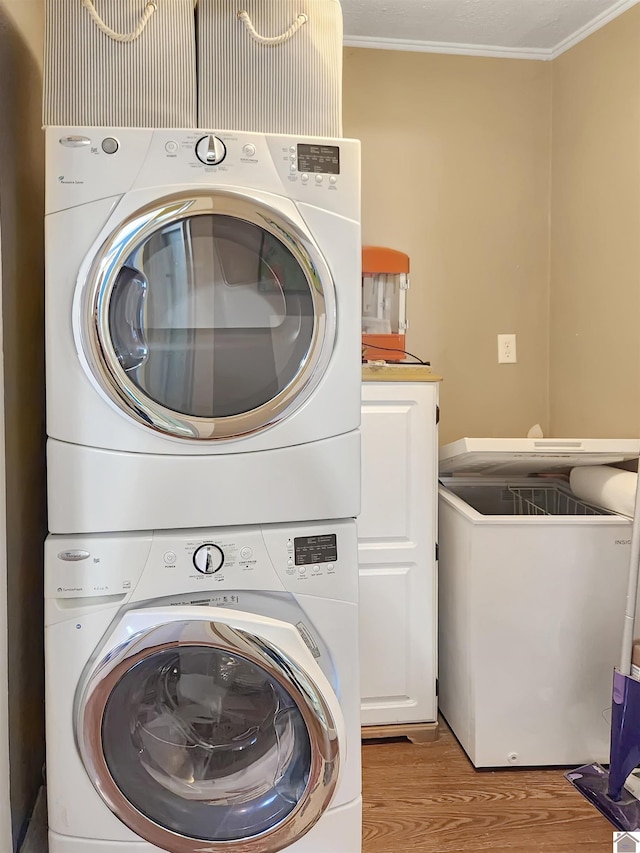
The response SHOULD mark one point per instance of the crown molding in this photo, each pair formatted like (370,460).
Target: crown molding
(593,26)
(449,48)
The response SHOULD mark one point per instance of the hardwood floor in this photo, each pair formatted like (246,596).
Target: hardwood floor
(429,799)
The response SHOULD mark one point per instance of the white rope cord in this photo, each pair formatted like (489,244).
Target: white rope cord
(300,21)
(149,9)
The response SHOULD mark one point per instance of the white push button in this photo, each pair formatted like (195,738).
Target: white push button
(333,179)
(171,147)
(293,167)
(249,150)
(319,179)
(304,178)
(246,553)
(169,558)
(302,570)
(110,145)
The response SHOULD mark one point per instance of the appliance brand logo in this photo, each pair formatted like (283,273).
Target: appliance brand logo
(623,541)
(63,180)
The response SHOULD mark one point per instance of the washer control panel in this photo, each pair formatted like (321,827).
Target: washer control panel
(314,559)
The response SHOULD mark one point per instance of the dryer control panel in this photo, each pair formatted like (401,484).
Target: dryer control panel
(313,559)
(85,164)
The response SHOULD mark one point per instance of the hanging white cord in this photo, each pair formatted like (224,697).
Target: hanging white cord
(149,9)
(300,21)
(632,590)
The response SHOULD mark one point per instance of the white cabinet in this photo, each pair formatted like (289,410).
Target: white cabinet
(397,550)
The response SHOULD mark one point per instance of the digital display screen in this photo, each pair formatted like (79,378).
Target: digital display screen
(316,549)
(319,158)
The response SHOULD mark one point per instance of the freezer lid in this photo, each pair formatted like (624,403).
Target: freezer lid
(518,456)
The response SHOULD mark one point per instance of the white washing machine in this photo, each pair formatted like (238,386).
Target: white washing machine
(203,329)
(202,691)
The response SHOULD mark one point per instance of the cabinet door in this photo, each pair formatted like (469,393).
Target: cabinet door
(396,544)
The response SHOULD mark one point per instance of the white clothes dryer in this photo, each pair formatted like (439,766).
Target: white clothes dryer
(202,691)
(203,328)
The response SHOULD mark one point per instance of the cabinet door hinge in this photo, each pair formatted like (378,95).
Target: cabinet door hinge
(437,414)
(437,552)
(437,688)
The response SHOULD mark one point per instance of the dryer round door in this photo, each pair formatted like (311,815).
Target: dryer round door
(208,315)
(204,736)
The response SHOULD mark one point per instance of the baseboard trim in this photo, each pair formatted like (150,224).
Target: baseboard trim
(418,733)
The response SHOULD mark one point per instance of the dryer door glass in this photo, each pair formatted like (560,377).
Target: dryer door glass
(210,324)
(207,744)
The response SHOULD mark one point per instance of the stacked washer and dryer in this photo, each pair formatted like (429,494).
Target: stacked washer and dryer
(203,410)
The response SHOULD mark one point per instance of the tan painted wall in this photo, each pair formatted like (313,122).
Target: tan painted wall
(595,246)
(21,217)
(456,160)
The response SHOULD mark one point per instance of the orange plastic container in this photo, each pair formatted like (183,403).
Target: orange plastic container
(385,281)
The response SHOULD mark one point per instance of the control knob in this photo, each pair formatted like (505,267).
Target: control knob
(208,559)
(210,150)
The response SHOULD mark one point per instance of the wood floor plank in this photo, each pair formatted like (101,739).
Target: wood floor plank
(429,799)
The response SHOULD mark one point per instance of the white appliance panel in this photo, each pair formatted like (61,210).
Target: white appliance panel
(517,457)
(80,625)
(109,471)
(92,490)
(340,828)
(531,612)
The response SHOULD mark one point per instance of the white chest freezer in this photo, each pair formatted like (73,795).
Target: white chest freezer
(532,586)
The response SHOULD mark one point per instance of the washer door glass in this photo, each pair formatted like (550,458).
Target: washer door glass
(208,316)
(206,744)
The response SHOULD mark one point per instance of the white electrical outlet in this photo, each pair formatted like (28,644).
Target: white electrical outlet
(507,349)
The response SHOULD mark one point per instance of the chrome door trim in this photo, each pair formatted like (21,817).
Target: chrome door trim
(319,721)
(99,284)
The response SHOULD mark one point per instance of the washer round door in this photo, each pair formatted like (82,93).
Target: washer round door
(208,315)
(202,736)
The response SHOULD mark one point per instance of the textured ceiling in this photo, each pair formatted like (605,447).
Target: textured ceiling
(509,24)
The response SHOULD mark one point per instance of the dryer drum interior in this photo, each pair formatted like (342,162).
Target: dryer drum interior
(208,318)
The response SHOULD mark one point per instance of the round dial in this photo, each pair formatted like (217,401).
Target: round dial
(210,150)
(208,559)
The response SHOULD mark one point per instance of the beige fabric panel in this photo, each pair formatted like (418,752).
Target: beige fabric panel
(90,79)
(294,87)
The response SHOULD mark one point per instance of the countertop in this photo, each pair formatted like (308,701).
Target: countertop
(398,373)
